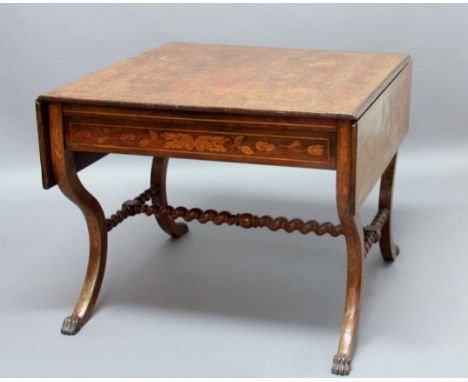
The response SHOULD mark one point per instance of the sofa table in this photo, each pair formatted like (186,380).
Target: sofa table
(342,111)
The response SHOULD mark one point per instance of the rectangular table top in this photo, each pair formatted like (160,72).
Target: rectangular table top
(240,79)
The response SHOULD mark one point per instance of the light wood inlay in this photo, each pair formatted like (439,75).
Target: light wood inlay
(208,144)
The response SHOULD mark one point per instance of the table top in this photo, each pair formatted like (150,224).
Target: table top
(240,79)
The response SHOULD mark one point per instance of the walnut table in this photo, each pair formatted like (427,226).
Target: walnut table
(342,111)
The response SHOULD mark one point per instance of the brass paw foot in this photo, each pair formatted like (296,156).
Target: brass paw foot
(341,364)
(71,325)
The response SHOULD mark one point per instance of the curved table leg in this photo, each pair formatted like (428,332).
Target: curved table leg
(158,181)
(388,248)
(68,181)
(354,234)
(355,251)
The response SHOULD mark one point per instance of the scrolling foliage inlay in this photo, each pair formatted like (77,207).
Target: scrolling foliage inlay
(302,148)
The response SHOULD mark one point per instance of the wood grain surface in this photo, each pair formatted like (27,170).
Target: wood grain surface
(380,132)
(186,76)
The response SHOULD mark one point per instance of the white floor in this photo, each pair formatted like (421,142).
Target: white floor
(223,301)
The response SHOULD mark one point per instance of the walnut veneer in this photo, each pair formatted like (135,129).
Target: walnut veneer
(342,111)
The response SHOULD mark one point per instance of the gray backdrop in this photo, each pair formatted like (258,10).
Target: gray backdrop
(225,301)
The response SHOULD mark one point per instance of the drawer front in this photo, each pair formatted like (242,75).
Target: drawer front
(200,137)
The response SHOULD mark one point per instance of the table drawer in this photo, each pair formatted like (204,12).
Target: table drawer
(201,136)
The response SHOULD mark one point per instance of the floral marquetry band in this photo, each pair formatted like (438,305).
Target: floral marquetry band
(206,143)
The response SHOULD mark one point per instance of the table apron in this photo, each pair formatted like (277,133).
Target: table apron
(235,141)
